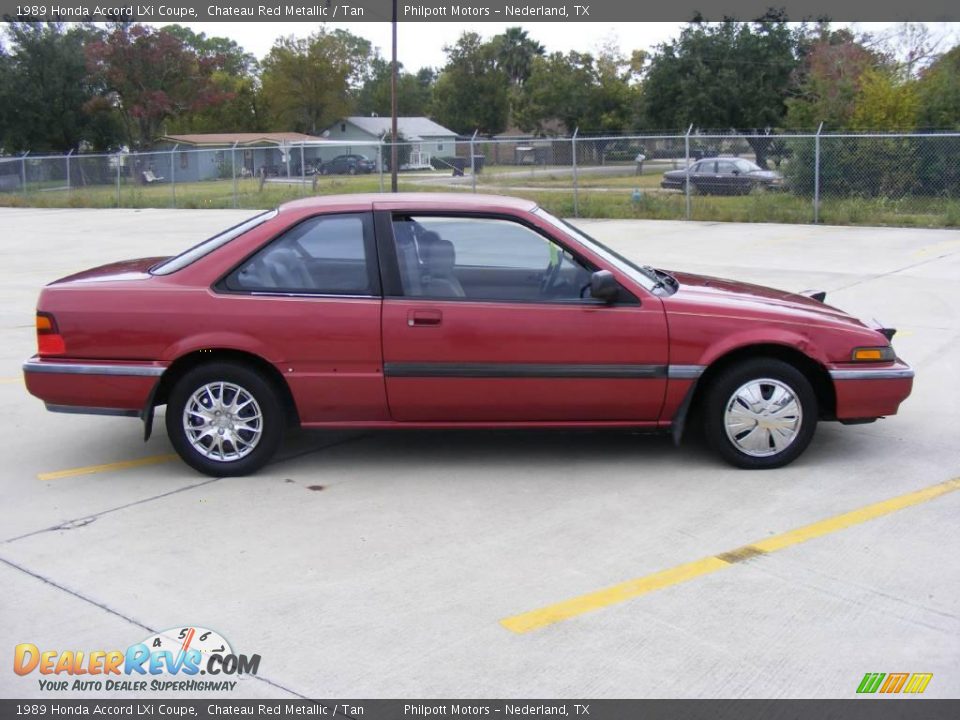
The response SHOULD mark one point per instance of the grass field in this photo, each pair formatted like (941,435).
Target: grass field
(606,193)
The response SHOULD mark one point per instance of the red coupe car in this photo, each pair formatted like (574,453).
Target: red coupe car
(446,311)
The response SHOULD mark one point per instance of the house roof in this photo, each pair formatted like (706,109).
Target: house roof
(412,128)
(277,138)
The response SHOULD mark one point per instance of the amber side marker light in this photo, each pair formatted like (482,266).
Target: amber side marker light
(49,341)
(874,354)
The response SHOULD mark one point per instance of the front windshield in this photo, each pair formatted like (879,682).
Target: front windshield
(210,244)
(644,276)
(745,165)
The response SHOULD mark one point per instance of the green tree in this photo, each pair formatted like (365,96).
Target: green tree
(829,78)
(236,79)
(309,83)
(226,54)
(884,103)
(151,77)
(471,90)
(938,93)
(515,52)
(596,94)
(47,94)
(414,91)
(728,75)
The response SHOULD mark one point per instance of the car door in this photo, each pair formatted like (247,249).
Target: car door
(730,180)
(312,295)
(485,320)
(703,176)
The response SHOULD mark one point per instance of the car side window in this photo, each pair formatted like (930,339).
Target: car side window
(322,255)
(485,259)
(726,167)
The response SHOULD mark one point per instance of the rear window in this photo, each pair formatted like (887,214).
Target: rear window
(210,244)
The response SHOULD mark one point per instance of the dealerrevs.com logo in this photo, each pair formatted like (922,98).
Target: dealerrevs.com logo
(169,661)
(893,683)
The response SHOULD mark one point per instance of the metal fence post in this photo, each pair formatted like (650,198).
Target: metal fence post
(23,172)
(118,178)
(173,173)
(816,176)
(68,168)
(686,165)
(473,159)
(233,164)
(573,160)
(303,171)
(380,160)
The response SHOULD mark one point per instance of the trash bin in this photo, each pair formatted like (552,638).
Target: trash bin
(478,161)
(457,163)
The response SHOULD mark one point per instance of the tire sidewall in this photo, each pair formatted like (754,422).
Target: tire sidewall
(729,381)
(251,381)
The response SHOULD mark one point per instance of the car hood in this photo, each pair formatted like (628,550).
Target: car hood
(765,175)
(721,294)
(123,270)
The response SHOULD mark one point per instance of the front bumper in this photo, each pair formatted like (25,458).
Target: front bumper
(84,386)
(865,391)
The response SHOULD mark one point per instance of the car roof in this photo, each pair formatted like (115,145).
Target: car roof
(424,201)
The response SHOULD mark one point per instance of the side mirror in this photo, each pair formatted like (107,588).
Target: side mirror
(604,286)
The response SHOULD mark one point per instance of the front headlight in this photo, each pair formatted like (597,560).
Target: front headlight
(873,354)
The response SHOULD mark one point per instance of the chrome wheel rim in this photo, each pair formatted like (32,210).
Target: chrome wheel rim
(763,417)
(222,421)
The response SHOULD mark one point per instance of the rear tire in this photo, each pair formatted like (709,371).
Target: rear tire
(760,414)
(224,419)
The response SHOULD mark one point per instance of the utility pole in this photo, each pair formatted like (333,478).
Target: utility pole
(393,106)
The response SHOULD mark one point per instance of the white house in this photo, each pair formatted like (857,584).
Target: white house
(428,139)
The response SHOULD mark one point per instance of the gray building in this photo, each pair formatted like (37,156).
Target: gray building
(427,138)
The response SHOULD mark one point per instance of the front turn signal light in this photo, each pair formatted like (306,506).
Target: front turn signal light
(874,354)
(49,340)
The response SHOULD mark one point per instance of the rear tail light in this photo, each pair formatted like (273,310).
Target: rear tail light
(49,341)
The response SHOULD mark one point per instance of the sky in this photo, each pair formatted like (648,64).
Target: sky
(421,44)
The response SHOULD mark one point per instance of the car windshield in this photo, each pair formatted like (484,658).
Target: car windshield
(644,275)
(187,257)
(745,165)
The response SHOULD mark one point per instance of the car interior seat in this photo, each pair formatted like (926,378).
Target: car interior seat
(439,259)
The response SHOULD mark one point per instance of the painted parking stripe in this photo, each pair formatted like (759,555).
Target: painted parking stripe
(615,594)
(106,467)
(11,380)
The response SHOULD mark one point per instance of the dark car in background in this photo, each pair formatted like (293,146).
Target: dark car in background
(347,165)
(723,176)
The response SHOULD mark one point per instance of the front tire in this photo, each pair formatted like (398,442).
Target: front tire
(760,414)
(224,419)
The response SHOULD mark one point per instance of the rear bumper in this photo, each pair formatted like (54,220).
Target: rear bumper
(870,392)
(98,388)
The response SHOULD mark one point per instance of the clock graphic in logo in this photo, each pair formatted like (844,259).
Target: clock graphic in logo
(179,641)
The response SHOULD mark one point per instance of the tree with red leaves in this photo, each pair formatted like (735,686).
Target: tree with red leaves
(152,76)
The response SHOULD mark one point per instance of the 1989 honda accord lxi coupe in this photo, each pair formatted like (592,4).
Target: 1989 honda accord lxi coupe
(446,311)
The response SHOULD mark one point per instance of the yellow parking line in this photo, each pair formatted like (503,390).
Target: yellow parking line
(106,467)
(536,619)
(10,380)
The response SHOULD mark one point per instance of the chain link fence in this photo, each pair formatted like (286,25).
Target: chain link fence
(866,179)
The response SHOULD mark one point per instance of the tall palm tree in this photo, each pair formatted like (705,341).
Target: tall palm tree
(516,53)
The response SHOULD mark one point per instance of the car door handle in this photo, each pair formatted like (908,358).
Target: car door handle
(423,318)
